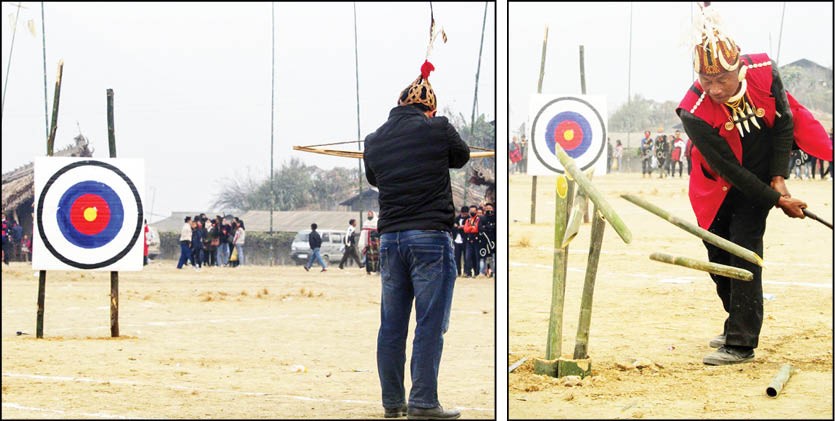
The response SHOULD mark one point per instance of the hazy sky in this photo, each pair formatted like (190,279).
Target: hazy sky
(661,65)
(192,82)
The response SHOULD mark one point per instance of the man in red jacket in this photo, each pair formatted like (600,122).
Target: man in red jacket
(743,125)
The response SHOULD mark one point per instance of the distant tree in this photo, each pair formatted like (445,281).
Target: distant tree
(296,186)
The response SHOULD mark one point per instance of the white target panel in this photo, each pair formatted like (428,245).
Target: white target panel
(88,214)
(575,122)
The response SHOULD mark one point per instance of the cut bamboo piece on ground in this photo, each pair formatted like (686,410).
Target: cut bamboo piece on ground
(596,197)
(698,231)
(715,268)
(779,381)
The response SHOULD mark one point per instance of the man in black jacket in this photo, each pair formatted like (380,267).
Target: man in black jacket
(315,242)
(408,159)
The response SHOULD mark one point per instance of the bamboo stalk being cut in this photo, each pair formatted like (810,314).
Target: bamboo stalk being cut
(698,231)
(596,197)
(715,268)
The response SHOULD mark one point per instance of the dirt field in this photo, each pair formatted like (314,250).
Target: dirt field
(663,315)
(248,342)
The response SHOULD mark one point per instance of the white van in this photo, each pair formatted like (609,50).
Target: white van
(331,250)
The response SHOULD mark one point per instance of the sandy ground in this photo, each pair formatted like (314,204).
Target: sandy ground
(249,342)
(663,315)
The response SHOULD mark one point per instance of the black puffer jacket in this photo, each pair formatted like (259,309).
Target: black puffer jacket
(408,159)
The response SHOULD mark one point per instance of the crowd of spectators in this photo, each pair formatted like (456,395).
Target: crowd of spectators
(206,242)
(475,241)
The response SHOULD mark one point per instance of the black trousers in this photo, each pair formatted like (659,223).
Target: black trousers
(350,253)
(743,223)
(459,256)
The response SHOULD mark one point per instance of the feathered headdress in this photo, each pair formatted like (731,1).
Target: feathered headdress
(420,91)
(714,51)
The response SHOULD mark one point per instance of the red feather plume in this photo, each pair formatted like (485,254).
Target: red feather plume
(425,69)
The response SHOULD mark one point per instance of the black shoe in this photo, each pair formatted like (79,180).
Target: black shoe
(436,413)
(324,270)
(396,412)
(729,355)
(307,269)
(340,267)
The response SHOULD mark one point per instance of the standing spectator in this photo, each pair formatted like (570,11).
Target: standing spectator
(645,152)
(677,155)
(372,253)
(471,238)
(350,243)
(196,243)
(619,156)
(147,243)
(661,148)
(223,229)
(408,158)
(610,155)
(26,247)
(315,242)
(5,240)
(514,153)
(17,235)
(185,242)
(238,241)
(459,239)
(368,227)
(487,230)
(213,238)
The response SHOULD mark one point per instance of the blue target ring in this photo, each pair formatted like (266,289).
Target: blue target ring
(572,131)
(68,222)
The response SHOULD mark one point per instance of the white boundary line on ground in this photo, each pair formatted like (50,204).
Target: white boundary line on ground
(62,412)
(199,389)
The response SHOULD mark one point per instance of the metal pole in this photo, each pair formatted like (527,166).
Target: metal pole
(478,69)
(629,76)
(359,133)
(45,106)
(539,91)
(780,37)
(9,64)
(272,129)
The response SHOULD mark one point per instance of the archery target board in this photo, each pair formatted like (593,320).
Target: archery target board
(577,123)
(88,214)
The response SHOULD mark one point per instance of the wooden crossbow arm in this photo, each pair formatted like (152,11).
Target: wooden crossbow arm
(358,154)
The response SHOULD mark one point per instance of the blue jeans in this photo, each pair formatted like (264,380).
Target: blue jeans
(420,266)
(185,254)
(222,254)
(314,254)
(240,248)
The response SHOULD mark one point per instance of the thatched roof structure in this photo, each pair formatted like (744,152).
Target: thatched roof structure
(19,184)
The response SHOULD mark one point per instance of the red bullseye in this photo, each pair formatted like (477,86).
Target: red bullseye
(90,214)
(568,134)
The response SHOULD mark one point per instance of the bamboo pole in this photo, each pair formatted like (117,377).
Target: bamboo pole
(779,381)
(581,344)
(50,142)
(704,234)
(114,276)
(596,197)
(715,268)
(539,91)
(558,274)
(584,200)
